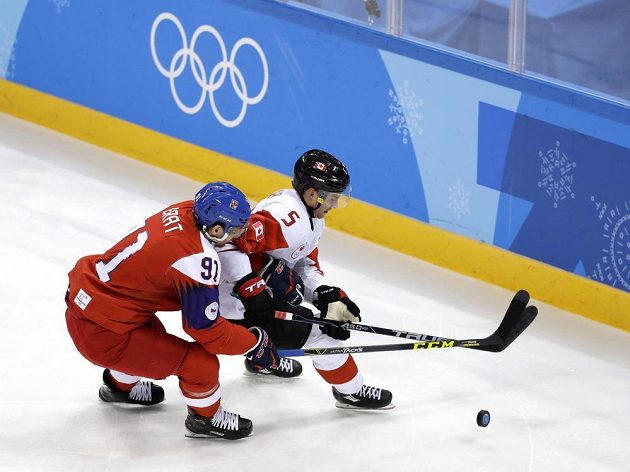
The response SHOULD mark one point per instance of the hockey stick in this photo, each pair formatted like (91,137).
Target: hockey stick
(517,305)
(517,318)
(492,343)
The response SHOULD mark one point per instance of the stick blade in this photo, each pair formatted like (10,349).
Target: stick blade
(512,315)
(496,342)
(529,315)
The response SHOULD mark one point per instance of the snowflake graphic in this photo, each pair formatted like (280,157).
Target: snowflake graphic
(459,199)
(7,51)
(405,112)
(614,267)
(60,4)
(555,170)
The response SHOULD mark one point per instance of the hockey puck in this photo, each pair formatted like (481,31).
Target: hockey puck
(483,418)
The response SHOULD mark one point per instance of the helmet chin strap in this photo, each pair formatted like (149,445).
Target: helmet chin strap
(320,200)
(311,210)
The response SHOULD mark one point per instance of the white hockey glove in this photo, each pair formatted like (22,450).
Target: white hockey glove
(335,305)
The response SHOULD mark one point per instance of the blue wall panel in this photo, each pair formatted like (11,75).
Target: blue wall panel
(513,161)
(569,178)
(316,96)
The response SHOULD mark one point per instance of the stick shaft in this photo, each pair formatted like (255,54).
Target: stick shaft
(514,311)
(516,319)
(359,327)
(422,345)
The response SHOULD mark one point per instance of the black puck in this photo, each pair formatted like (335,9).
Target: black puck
(483,418)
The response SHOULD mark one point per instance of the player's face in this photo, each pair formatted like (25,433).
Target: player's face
(237,232)
(329,201)
(322,211)
(221,238)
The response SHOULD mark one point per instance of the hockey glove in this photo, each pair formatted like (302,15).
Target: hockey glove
(335,305)
(287,286)
(251,290)
(263,354)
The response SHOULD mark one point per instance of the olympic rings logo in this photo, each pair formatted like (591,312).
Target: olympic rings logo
(209,85)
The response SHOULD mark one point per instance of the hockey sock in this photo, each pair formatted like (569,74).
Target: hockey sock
(346,375)
(204,404)
(121,381)
(207,411)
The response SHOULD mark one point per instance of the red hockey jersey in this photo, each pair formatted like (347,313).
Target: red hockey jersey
(165,265)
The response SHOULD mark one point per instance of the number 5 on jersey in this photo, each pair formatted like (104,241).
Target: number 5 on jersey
(292,218)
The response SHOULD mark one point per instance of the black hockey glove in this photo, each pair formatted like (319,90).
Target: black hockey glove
(334,304)
(287,286)
(264,353)
(251,290)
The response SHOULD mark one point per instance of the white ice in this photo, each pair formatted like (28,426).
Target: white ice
(559,396)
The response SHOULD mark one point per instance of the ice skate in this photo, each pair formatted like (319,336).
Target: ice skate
(287,368)
(143,393)
(223,424)
(368,398)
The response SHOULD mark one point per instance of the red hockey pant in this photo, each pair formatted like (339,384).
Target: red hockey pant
(148,351)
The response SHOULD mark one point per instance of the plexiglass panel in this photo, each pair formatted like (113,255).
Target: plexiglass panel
(580,42)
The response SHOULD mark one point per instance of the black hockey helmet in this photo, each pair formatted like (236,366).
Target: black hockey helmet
(320,170)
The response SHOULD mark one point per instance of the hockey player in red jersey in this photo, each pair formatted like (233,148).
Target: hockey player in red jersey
(168,264)
(281,244)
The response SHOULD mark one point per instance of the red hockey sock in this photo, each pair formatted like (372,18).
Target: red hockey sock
(121,386)
(342,374)
(207,411)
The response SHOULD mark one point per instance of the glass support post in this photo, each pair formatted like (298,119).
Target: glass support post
(517,35)
(395,17)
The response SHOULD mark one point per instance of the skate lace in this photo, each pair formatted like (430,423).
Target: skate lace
(370,392)
(141,391)
(225,419)
(285,365)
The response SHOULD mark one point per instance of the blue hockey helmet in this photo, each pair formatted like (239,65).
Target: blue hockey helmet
(221,203)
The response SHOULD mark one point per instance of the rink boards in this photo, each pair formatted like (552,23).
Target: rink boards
(511,180)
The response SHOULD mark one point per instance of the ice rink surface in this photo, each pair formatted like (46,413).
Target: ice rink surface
(559,396)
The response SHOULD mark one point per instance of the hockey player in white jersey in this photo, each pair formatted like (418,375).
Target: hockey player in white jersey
(280,247)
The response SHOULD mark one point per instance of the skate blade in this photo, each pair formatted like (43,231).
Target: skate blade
(190,434)
(193,435)
(345,406)
(269,377)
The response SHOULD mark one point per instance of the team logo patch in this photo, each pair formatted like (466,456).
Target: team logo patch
(259,230)
(82,299)
(212,311)
(298,252)
(234,204)
(320,166)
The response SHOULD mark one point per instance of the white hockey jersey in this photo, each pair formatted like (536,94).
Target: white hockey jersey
(281,227)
